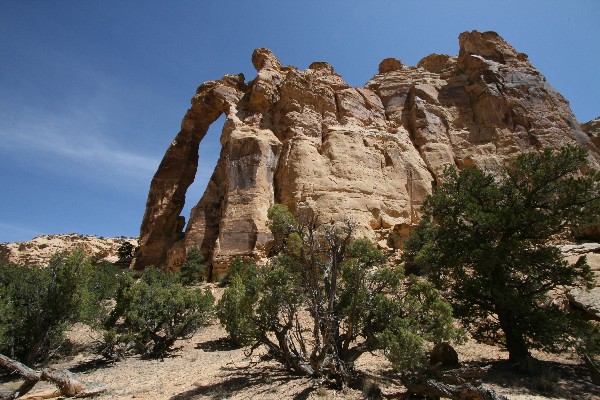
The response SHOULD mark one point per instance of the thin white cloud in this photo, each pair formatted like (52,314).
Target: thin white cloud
(77,137)
(17,233)
(80,138)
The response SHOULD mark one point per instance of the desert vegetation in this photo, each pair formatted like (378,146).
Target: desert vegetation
(484,253)
(152,312)
(486,240)
(326,299)
(143,315)
(37,304)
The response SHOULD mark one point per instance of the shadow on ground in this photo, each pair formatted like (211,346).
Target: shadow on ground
(554,380)
(7,376)
(221,344)
(92,365)
(256,382)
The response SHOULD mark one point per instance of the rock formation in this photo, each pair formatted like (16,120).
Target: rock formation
(585,303)
(308,140)
(592,129)
(40,249)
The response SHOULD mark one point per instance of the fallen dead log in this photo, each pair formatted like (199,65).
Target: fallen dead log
(53,393)
(451,384)
(66,382)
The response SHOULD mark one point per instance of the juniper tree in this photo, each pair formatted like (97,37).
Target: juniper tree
(192,270)
(39,303)
(327,298)
(151,313)
(125,252)
(485,239)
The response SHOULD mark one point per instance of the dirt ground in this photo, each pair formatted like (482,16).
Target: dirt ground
(207,367)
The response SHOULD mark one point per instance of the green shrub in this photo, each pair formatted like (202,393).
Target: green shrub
(101,289)
(235,309)
(105,279)
(327,299)
(7,311)
(154,312)
(39,303)
(125,252)
(193,269)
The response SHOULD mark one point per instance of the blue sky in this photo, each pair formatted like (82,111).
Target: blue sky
(93,92)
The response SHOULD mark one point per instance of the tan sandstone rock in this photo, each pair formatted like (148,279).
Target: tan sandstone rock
(40,249)
(308,140)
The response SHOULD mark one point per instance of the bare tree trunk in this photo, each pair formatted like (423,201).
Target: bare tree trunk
(516,345)
(66,382)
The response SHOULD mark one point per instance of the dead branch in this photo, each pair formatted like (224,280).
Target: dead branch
(592,369)
(436,389)
(452,384)
(66,382)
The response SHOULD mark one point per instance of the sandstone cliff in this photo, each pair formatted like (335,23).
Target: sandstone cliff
(40,249)
(308,140)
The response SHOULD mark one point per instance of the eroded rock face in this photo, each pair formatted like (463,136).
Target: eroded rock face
(308,140)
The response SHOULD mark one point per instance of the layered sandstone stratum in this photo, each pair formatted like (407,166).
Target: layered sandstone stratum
(308,140)
(41,249)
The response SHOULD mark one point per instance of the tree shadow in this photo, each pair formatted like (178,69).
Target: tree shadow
(8,376)
(220,344)
(92,365)
(239,379)
(553,380)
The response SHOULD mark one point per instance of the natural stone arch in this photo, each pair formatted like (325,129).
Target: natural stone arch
(162,225)
(310,141)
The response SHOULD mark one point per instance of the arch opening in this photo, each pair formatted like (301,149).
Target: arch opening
(208,156)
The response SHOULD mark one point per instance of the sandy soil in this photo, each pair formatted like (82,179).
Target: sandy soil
(207,367)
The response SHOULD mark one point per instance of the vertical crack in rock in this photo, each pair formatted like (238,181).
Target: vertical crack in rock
(310,141)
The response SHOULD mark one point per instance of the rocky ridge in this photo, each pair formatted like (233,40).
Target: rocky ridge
(40,249)
(308,140)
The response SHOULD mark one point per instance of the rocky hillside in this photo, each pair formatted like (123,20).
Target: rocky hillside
(40,249)
(308,140)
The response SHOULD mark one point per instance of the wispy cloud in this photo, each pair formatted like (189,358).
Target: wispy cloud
(94,130)
(15,233)
(78,136)
(75,136)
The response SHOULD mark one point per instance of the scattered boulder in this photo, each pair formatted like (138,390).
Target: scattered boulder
(579,248)
(444,355)
(587,303)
